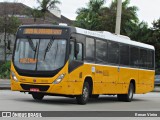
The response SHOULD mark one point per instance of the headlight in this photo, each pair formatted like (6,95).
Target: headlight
(14,77)
(59,79)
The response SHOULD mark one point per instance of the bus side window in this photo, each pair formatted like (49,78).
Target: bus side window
(79,51)
(90,50)
(72,51)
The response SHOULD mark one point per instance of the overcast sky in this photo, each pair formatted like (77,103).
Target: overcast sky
(149,10)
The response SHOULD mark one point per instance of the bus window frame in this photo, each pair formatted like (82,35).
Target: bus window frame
(82,51)
(94,58)
(104,62)
(118,65)
(19,35)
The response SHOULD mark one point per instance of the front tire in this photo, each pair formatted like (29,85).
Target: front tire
(37,96)
(83,99)
(127,97)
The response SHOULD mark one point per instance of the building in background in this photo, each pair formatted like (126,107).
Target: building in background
(25,16)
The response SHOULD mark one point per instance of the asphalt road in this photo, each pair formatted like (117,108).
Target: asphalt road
(16,101)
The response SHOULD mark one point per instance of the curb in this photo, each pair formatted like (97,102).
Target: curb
(156,89)
(5,84)
(5,88)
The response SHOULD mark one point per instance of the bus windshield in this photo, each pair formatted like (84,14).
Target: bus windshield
(40,54)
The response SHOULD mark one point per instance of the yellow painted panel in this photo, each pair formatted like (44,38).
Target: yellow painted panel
(106,80)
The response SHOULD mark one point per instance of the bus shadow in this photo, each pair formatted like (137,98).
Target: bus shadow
(111,100)
(56,101)
(69,101)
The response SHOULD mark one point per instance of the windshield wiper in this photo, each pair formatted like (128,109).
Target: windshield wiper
(35,50)
(31,44)
(33,47)
(48,47)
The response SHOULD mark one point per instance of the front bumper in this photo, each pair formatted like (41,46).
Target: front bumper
(65,88)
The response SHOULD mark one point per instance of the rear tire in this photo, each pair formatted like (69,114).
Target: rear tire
(83,99)
(127,97)
(37,96)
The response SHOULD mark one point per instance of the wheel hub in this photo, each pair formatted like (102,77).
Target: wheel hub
(85,93)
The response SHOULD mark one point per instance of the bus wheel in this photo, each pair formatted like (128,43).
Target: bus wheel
(83,99)
(127,97)
(37,96)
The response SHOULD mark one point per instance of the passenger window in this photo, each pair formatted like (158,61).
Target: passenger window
(143,58)
(134,56)
(113,52)
(153,60)
(124,54)
(90,49)
(71,50)
(101,51)
(79,51)
(149,59)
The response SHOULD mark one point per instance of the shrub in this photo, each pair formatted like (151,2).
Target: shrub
(5,70)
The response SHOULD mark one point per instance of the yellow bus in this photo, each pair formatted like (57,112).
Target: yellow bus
(74,62)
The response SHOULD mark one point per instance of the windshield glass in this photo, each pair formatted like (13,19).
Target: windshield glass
(40,54)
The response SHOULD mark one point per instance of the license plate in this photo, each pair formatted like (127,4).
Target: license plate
(34,89)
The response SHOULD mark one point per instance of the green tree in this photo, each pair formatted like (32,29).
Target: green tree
(46,5)
(98,17)
(129,17)
(141,33)
(8,26)
(35,13)
(12,25)
(155,40)
(89,17)
(156,30)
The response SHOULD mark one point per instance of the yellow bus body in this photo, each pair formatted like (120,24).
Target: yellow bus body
(106,79)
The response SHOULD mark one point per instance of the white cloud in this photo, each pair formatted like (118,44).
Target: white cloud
(148,10)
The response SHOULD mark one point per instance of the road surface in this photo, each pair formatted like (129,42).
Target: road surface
(16,101)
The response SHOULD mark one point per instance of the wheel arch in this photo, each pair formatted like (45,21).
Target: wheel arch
(134,83)
(90,82)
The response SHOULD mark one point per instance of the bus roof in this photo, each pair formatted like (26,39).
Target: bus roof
(43,26)
(98,34)
(110,36)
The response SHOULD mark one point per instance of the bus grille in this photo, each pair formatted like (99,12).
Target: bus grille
(40,87)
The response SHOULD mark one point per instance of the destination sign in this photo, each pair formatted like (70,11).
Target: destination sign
(42,31)
(28,60)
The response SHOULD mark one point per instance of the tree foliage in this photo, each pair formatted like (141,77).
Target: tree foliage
(155,40)
(141,33)
(9,24)
(46,5)
(98,17)
(5,70)
(90,17)
(35,13)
